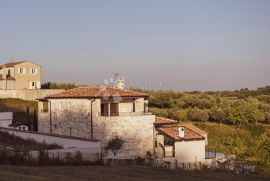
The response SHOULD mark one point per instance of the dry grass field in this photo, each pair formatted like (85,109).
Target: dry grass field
(100,173)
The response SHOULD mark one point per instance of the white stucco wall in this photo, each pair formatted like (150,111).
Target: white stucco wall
(190,151)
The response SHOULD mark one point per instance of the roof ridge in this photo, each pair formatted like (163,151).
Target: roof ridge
(13,63)
(193,131)
(96,91)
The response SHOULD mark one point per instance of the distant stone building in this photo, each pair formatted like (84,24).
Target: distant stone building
(20,75)
(19,126)
(100,113)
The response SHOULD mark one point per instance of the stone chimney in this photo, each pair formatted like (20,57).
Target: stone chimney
(181,131)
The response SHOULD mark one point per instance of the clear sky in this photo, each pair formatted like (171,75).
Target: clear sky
(183,45)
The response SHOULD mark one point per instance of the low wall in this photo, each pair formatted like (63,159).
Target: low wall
(87,154)
(64,141)
(29,95)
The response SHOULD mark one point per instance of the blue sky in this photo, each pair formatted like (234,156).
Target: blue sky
(183,45)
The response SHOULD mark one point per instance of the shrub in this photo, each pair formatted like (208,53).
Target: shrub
(217,114)
(197,114)
(242,112)
(115,144)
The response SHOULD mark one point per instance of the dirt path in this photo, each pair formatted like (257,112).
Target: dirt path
(98,173)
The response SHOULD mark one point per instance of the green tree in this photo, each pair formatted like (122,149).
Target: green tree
(242,112)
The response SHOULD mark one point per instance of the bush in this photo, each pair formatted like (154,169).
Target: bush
(160,112)
(217,114)
(115,144)
(197,115)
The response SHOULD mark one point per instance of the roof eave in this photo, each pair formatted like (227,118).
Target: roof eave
(92,97)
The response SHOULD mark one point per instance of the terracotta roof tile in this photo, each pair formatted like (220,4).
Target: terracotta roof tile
(173,133)
(194,128)
(96,92)
(160,120)
(11,64)
(10,78)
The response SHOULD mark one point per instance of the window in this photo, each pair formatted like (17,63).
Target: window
(8,74)
(34,71)
(114,109)
(104,109)
(134,106)
(21,70)
(55,126)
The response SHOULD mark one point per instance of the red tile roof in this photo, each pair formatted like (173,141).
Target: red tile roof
(173,133)
(11,64)
(160,120)
(195,128)
(96,92)
(8,77)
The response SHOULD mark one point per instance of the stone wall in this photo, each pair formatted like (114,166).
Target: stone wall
(70,117)
(7,84)
(73,117)
(29,95)
(137,132)
(87,154)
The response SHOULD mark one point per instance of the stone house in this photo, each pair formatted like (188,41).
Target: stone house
(20,75)
(184,143)
(100,113)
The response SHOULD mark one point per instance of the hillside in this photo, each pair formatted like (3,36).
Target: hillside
(237,122)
